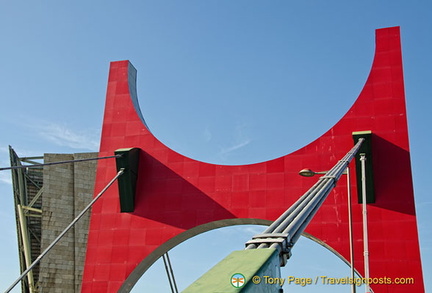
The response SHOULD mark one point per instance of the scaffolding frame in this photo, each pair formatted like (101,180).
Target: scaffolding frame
(27,184)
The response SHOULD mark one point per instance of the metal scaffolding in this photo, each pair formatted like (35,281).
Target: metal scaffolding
(27,192)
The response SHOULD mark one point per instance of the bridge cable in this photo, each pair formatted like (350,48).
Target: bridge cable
(57,163)
(170,273)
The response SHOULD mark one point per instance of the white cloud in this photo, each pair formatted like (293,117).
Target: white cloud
(235,147)
(254,230)
(4,149)
(5,177)
(240,140)
(64,136)
(207,134)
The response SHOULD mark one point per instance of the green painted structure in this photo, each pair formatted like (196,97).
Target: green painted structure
(246,271)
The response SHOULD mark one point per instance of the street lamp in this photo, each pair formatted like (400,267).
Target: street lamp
(309,173)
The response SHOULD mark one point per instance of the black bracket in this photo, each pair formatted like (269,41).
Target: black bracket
(128,159)
(366,149)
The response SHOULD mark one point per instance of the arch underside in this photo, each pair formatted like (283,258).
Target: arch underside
(177,197)
(146,263)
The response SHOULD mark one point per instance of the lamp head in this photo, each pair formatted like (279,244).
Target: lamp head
(307,173)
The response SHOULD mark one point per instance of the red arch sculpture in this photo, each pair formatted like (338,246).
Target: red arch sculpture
(178,197)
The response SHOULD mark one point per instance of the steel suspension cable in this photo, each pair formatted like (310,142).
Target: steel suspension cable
(170,273)
(57,163)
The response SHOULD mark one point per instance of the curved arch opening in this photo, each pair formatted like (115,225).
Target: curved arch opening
(195,251)
(175,241)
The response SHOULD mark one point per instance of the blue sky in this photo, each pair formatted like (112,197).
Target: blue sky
(219,81)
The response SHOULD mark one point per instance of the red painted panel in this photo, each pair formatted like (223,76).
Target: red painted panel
(176,193)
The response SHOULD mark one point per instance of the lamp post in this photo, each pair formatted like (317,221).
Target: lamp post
(309,173)
(365,227)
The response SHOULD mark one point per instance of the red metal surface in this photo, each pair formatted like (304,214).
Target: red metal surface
(176,193)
